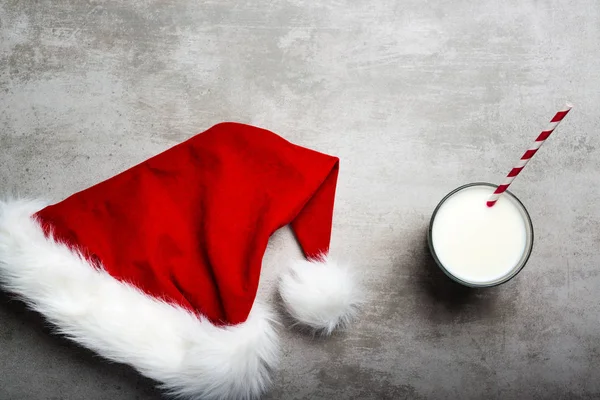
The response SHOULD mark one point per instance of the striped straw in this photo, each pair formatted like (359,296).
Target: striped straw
(528,154)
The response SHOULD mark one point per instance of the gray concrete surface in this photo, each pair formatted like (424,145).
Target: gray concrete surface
(415,97)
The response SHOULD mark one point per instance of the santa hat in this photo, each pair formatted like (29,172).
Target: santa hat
(158,266)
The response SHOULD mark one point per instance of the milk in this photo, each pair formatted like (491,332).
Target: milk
(477,244)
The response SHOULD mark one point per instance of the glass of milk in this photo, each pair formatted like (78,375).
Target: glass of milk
(477,245)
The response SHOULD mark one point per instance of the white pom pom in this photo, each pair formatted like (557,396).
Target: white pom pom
(320,294)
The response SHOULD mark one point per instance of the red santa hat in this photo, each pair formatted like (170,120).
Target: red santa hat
(158,266)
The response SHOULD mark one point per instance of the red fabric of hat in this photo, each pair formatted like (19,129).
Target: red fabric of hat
(191,225)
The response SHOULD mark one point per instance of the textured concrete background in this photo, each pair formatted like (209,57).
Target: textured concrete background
(415,97)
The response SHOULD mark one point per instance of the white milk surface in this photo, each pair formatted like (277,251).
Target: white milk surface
(476,243)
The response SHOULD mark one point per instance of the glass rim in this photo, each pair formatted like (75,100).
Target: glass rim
(524,258)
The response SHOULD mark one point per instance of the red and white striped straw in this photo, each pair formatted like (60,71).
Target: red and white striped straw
(528,154)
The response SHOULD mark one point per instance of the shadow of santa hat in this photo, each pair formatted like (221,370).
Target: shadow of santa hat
(158,266)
